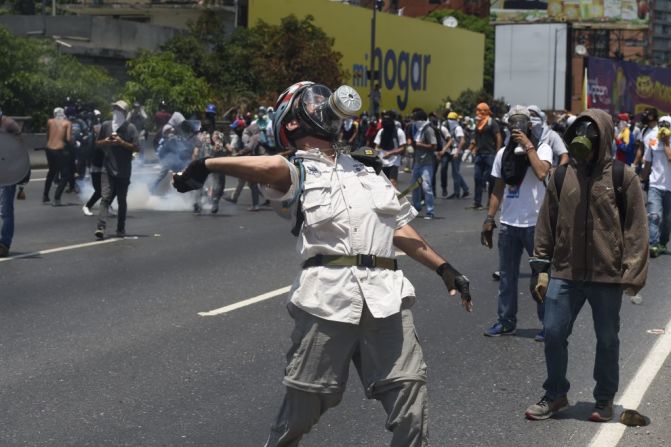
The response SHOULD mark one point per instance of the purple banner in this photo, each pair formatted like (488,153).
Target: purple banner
(618,86)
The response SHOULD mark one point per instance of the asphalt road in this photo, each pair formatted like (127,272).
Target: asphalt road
(103,344)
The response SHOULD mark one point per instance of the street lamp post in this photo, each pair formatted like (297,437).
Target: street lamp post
(378,4)
(554,72)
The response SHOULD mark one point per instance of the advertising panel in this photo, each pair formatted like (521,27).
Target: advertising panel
(419,63)
(530,64)
(633,12)
(618,86)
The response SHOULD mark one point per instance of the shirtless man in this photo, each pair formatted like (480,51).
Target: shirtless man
(59,134)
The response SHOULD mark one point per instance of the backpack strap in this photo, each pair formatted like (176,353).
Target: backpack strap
(620,197)
(560,174)
(617,172)
(300,215)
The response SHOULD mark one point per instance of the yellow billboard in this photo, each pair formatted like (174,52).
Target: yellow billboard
(419,63)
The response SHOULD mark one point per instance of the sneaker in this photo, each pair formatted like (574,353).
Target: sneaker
(254,208)
(496,276)
(498,329)
(215,209)
(444,194)
(540,336)
(452,196)
(603,411)
(475,206)
(87,211)
(56,202)
(657,250)
(545,408)
(465,194)
(228,199)
(429,216)
(196,208)
(4,250)
(99,234)
(46,200)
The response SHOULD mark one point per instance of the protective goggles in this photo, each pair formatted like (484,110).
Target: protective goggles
(665,124)
(325,109)
(586,128)
(519,122)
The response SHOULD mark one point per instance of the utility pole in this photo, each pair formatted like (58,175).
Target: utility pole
(377,5)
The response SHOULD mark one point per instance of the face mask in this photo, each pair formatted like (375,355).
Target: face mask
(585,140)
(118,117)
(536,121)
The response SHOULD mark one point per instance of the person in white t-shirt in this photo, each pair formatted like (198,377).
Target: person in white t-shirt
(456,147)
(657,168)
(390,144)
(519,170)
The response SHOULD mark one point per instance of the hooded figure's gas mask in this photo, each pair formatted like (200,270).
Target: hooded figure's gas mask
(585,140)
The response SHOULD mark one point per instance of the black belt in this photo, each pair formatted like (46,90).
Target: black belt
(370,261)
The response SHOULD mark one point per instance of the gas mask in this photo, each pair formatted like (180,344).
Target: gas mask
(585,140)
(519,123)
(321,112)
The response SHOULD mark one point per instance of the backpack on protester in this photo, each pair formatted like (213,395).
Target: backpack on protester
(617,172)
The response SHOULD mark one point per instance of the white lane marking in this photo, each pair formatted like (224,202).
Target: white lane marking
(66,248)
(254,300)
(38,179)
(609,435)
(247,302)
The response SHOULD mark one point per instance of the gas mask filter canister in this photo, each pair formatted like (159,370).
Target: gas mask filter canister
(585,140)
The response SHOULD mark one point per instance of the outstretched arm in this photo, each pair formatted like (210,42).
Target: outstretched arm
(264,169)
(411,243)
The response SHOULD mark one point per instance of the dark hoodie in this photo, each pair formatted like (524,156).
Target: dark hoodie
(581,234)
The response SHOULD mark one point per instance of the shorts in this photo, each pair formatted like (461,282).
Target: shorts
(385,351)
(391,172)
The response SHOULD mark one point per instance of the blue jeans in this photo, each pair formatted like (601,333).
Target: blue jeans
(563,302)
(7,214)
(425,172)
(659,215)
(483,171)
(512,242)
(459,182)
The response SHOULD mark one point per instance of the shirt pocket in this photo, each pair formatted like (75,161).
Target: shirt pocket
(382,195)
(317,205)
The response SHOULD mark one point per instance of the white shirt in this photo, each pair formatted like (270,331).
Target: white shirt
(394,160)
(348,210)
(660,175)
(521,203)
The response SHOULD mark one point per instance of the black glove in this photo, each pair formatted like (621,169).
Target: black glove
(193,177)
(455,280)
(487,232)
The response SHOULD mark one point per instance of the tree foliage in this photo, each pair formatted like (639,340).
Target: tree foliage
(256,64)
(465,103)
(478,25)
(35,78)
(156,77)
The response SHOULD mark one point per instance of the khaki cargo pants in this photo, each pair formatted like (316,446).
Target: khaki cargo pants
(388,358)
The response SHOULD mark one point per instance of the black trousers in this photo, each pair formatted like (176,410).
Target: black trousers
(59,167)
(111,186)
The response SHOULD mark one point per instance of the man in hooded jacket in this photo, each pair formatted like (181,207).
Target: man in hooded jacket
(587,249)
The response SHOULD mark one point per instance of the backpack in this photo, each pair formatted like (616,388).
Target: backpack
(618,183)
(440,139)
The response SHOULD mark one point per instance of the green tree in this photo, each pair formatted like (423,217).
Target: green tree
(256,64)
(156,77)
(465,103)
(36,78)
(478,25)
